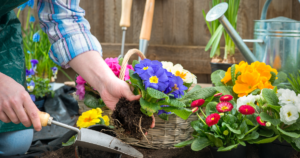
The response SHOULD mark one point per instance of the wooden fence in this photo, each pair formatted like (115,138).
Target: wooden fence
(179,32)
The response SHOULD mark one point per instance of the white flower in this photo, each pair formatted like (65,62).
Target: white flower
(167,65)
(289,114)
(287,97)
(246,100)
(186,76)
(281,91)
(30,88)
(194,77)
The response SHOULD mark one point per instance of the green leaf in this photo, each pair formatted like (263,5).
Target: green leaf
(233,74)
(183,113)
(251,136)
(273,77)
(228,148)
(164,116)
(198,93)
(216,43)
(70,141)
(265,117)
(233,130)
(215,141)
(184,143)
(102,122)
(255,92)
(274,107)
(270,96)
(121,61)
(263,141)
(196,125)
(134,62)
(211,108)
(157,94)
(214,37)
(229,119)
(266,132)
(225,90)
(200,143)
(297,142)
(295,126)
(146,112)
(151,107)
(137,81)
(188,85)
(281,78)
(92,102)
(291,134)
(217,76)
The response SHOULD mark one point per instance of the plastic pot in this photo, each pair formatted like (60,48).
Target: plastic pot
(219,66)
(40,103)
(276,149)
(81,152)
(238,152)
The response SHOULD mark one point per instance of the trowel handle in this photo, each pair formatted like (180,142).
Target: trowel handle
(44,118)
(126,10)
(147,20)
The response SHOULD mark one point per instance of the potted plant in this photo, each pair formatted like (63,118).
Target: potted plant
(240,111)
(216,30)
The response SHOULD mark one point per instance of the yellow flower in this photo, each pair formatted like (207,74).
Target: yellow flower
(238,68)
(106,120)
(89,118)
(264,70)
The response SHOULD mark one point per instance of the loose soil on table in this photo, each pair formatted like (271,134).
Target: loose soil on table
(129,117)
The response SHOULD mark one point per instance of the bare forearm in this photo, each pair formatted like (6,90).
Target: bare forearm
(91,66)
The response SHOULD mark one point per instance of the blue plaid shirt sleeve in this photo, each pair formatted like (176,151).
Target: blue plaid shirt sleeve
(67,29)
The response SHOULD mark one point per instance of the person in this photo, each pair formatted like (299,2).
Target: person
(73,45)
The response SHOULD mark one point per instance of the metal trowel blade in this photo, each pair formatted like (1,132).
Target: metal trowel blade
(97,140)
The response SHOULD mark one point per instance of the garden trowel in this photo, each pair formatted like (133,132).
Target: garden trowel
(125,21)
(93,139)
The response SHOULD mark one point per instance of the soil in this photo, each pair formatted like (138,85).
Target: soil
(129,117)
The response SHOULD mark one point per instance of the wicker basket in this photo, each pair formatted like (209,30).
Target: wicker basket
(165,134)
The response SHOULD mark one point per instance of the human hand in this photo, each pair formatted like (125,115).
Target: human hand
(14,100)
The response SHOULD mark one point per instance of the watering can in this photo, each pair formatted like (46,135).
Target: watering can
(276,41)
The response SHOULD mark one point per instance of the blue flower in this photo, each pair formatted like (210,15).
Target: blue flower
(178,87)
(29,73)
(28,52)
(36,37)
(21,7)
(171,82)
(30,86)
(54,71)
(34,62)
(32,97)
(144,65)
(156,78)
(30,3)
(32,19)
(163,112)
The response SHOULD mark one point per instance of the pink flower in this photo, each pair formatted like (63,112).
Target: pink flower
(80,80)
(113,64)
(80,91)
(127,77)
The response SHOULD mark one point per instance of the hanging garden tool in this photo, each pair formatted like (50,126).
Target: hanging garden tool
(93,139)
(125,21)
(146,26)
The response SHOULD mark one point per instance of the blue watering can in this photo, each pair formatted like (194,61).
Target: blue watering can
(276,41)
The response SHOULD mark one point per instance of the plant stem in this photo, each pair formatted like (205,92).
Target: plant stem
(202,112)
(19,11)
(201,118)
(252,129)
(28,17)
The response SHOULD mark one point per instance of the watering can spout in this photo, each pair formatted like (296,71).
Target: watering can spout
(217,12)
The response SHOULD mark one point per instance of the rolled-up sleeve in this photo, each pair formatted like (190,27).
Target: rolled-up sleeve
(67,29)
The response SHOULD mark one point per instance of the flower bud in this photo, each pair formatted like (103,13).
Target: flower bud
(226,98)
(268,124)
(195,109)
(197,103)
(221,114)
(225,132)
(218,94)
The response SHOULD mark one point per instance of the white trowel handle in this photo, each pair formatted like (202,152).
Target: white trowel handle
(126,10)
(147,20)
(46,120)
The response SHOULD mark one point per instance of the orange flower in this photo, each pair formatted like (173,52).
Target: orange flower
(238,68)
(264,70)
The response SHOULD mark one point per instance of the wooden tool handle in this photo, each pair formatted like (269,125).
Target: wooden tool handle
(147,20)
(126,10)
(44,117)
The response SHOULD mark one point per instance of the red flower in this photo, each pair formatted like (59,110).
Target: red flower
(246,110)
(261,122)
(197,103)
(195,109)
(218,94)
(226,98)
(212,119)
(224,107)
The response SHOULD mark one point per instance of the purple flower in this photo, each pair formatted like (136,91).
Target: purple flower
(80,91)
(30,72)
(163,112)
(171,82)
(34,62)
(156,78)
(36,37)
(145,64)
(30,3)
(178,87)
(32,97)
(32,19)
(80,80)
